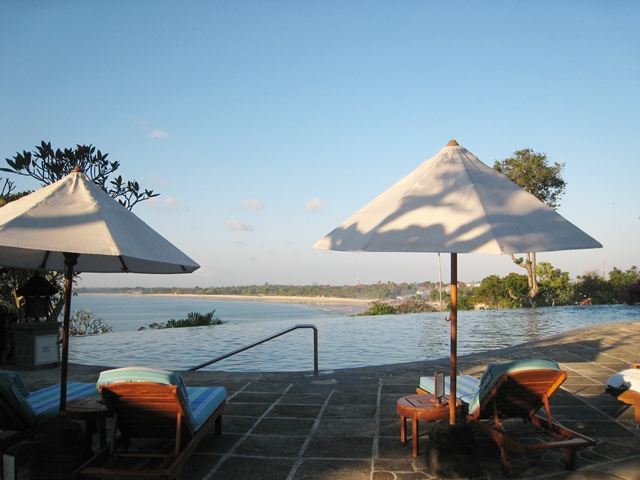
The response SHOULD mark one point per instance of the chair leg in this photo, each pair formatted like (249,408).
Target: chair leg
(570,458)
(218,425)
(506,467)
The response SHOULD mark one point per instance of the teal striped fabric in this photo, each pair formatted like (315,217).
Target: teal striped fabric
(203,402)
(198,402)
(466,387)
(42,405)
(46,402)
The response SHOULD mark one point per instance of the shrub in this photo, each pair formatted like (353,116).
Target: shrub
(87,323)
(379,308)
(194,319)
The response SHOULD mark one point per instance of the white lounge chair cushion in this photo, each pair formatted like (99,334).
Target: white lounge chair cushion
(626,380)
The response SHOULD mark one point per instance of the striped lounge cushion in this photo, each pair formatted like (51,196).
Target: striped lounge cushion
(42,405)
(466,387)
(203,402)
(46,402)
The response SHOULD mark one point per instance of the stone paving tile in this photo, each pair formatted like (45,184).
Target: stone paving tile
(304,398)
(340,447)
(350,411)
(218,443)
(248,397)
(254,468)
(295,411)
(267,387)
(333,469)
(346,428)
(270,446)
(284,426)
(354,399)
(246,409)
(235,424)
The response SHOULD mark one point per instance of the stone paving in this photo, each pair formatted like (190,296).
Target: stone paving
(343,424)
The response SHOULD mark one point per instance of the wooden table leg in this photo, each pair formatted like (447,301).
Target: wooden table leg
(403,429)
(414,431)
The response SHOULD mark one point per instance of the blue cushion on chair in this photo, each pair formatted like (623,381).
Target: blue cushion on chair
(15,393)
(46,402)
(466,387)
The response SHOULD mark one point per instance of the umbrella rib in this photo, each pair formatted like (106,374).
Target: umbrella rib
(124,265)
(44,260)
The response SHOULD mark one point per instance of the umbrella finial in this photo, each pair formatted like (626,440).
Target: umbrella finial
(452,143)
(77,169)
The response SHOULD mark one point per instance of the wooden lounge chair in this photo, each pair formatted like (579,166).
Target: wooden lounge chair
(625,386)
(27,413)
(154,404)
(517,390)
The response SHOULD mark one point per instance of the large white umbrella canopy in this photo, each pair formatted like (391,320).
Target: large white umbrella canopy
(73,225)
(75,215)
(455,203)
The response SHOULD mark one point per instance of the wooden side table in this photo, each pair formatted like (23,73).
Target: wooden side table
(420,407)
(93,412)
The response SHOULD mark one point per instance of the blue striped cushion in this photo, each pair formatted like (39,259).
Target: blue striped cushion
(15,393)
(203,402)
(46,402)
(466,387)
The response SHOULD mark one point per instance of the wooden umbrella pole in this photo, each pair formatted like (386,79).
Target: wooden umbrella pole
(454,339)
(70,260)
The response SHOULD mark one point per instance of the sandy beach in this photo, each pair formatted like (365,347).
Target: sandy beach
(326,301)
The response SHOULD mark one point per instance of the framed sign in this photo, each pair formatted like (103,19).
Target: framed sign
(46,349)
(438,382)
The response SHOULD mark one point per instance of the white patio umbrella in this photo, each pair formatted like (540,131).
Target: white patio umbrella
(455,203)
(73,225)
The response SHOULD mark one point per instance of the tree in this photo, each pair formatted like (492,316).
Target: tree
(532,171)
(554,286)
(48,166)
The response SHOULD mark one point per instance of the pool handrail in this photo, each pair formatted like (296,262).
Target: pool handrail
(266,339)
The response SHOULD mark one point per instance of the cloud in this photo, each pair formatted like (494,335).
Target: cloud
(235,226)
(163,203)
(159,134)
(254,205)
(314,205)
(161,181)
(153,132)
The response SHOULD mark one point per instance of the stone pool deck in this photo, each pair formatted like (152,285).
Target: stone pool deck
(343,424)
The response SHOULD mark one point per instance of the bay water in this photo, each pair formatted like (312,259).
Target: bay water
(344,341)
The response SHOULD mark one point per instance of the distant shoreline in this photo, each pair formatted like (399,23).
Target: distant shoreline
(325,301)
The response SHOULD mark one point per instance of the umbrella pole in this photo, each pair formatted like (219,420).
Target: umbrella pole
(70,259)
(453,316)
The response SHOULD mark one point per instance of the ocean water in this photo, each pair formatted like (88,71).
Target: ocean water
(343,341)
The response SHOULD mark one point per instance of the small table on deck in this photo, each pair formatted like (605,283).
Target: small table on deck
(420,407)
(92,411)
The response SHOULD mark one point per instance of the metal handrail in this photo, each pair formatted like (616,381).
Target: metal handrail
(242,349)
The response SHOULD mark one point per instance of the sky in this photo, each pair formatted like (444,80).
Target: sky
(265,124)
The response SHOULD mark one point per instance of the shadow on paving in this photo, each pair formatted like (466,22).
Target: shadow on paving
(344,424)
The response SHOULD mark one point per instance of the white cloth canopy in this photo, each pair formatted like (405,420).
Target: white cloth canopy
(74,215)
(455,203)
